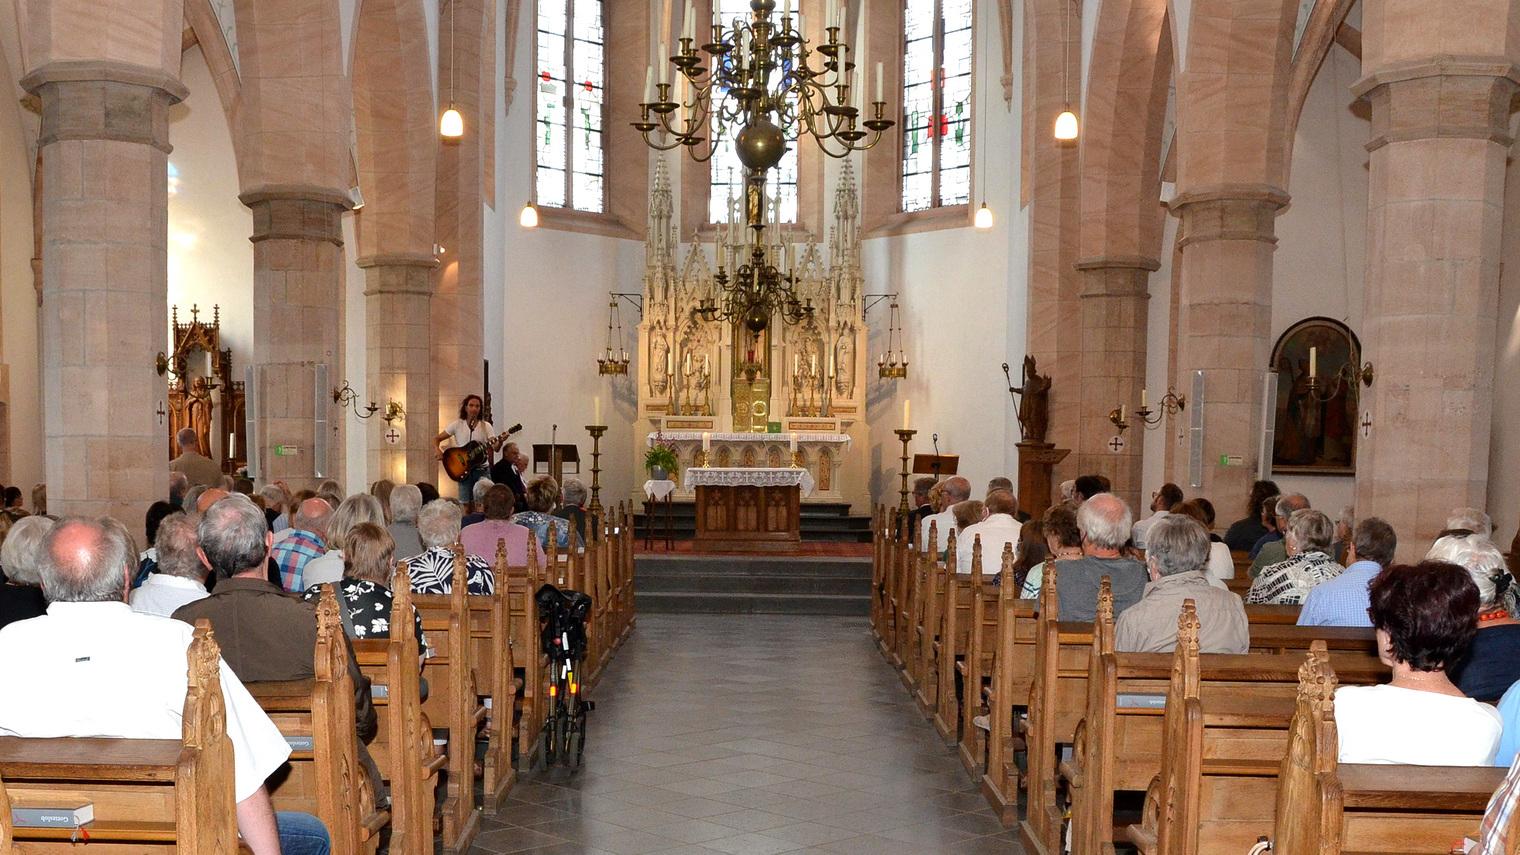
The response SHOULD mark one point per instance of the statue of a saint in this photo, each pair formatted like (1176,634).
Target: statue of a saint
(659,355)
(1034,401)
(844,363)
(198,407)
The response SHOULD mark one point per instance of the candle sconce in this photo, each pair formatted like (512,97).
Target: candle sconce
(1170,405)
(345,396)
(1348,374)
(394,412)
(1116,416)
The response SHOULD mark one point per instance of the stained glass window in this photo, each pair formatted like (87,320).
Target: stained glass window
(936,153)
(570,105)
(728,173)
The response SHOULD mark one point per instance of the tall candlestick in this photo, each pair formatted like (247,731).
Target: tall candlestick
(906,422)
(1313,362)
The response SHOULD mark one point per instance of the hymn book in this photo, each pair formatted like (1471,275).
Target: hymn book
(61,814)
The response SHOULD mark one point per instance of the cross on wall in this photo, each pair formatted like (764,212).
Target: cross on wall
(1116,444)
(392,436)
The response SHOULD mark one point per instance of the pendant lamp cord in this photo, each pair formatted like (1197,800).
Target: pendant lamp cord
(1066,52)
(453,13)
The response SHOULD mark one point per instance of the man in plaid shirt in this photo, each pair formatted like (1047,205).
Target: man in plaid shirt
(306,540)
(1498,835)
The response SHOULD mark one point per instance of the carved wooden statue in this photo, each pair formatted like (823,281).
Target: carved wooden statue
(1034,401)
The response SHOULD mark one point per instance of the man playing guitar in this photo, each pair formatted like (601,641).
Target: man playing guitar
(470,427)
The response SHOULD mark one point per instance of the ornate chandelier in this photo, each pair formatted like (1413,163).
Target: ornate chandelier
(614,358)
(767,82)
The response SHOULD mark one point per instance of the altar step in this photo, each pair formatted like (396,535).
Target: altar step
(727,584)
(821,523)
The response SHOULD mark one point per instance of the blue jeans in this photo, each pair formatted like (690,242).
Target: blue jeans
(467,486)
(302,834)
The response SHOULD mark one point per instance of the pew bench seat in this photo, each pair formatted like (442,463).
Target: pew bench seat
(1369,786)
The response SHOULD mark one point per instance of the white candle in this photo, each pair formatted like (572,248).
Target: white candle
(813,362)
(649,84)
(669,363)
(786,9)
(664,62)
(689,21)
(828,14)
(1313,362)
(231,444)
(596,410)
(878,82)
(706,442)
(794,442)
(1142,399)
(905,414)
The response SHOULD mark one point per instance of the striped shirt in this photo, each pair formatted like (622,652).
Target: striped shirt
(1496,836)
(433,572)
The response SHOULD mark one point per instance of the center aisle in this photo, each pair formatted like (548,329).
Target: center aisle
(751,735)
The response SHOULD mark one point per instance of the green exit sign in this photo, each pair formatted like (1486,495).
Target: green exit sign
(286,450)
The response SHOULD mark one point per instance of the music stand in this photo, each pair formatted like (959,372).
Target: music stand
(938,465)
(552,459)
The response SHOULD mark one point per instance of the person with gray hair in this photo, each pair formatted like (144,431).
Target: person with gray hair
(1493,661)
(90,646)
(1177,563)
(1288,582)
(572,507)
(1344,600)
(1069,491)
(1105,521)
(21,558)
(1470,520)
(181,577)
(999,483)
(1273,547)
(433,571)
(953,491)
(406,503)
(304,543)
(178,484)
(476,511)
(197,467)
(358,508)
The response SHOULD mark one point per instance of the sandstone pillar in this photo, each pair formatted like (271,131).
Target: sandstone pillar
(298,332)
(104,146)
(1115,293)
(1224,329)
(398,295)
(1440,137)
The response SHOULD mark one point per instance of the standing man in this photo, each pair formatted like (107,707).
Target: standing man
(197,467)
(469,427)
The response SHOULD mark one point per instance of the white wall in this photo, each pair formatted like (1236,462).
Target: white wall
(1503,474)
(18,297)
(1322,236)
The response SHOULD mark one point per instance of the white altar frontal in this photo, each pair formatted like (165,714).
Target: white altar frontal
(750,392)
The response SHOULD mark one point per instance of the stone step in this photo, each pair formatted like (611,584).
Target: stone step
(747,584)
(712,603)
(707,565)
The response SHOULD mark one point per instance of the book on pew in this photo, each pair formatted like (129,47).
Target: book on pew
(1134,700)
(65,814)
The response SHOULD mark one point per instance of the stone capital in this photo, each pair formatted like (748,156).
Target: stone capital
(104,100)
(1229,212)
(296,213)
(1444,97)
(399,273)
(1119,262)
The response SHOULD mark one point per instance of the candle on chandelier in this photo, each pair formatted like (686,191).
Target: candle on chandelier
(664,64)
(828,15)
(689,22)
(1142,399)
(649,84)
(1313,362)
(878,82)
(786,9)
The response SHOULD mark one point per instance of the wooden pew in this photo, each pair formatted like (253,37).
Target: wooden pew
(1012,677)
(149,795)
(403,749)
(928,627)
(906,590)
(1262,615)
(975,665)
(492,655)
(523,625)
(878,546)
(452,702)
(1119,747)
(326,779)
(954,616)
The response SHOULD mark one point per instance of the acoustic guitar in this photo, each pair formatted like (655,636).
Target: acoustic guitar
(460,461)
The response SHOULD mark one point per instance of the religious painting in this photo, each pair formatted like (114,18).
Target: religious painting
(1318,363)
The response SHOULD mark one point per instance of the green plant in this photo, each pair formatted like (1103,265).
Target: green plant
(661,456)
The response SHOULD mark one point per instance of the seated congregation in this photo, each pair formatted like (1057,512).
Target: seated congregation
(305,671)
(1173,682)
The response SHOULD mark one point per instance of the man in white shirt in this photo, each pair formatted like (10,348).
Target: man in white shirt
(181,578)
(999,529)
(469,427)
(93,667)
(952,492)
(1162,501)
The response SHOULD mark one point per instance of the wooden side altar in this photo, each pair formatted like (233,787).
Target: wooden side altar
(750,510)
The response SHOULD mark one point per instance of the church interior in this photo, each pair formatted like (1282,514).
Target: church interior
(737,305)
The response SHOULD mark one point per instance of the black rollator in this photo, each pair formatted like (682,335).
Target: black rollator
(562,632)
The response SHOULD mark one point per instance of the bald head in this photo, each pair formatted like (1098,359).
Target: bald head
(312,515)
(956,490)
(209,498)
(1105,521)
(86,561)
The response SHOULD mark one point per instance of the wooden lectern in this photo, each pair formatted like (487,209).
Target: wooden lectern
(1035,462)
(938,465)
(551,459)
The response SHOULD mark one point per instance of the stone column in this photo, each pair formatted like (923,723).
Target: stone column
(398,295)
(1115,293)
(1224,329)
(1440,138)
(298,326)
(104,145)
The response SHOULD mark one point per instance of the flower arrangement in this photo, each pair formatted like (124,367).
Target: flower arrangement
(660,459)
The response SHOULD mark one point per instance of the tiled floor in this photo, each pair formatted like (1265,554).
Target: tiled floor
(751,735)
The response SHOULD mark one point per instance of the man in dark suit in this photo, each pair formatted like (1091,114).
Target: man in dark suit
(508,471)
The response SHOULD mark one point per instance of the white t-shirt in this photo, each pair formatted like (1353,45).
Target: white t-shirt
(1390,724)
(996,531)
(459,429)
(101,669)
(1221,563)
(944,522)
(325,568)
(160,594)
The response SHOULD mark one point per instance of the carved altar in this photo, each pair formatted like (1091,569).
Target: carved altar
(202,393)
(723,378)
